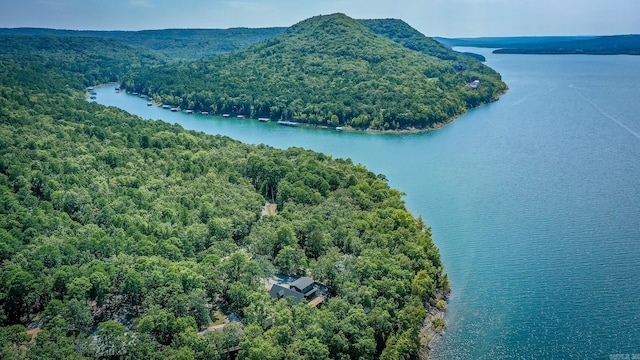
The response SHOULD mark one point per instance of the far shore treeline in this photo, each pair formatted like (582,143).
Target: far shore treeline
(121,238)
(331,71)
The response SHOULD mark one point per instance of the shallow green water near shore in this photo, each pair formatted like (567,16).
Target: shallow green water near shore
(534,202)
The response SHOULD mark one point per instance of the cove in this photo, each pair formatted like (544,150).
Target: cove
(534,202)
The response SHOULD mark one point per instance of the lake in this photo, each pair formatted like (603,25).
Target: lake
(534,202)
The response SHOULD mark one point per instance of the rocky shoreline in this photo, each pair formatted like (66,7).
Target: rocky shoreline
(434,324)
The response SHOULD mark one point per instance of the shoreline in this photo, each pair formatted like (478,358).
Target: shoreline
(410,130)
(429,331)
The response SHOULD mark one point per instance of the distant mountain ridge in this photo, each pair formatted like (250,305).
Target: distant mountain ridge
(176,44)
(594,45)
(331,70)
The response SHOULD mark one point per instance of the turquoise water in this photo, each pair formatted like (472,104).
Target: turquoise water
(534,201)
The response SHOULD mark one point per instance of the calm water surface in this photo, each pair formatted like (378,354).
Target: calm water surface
(534,202)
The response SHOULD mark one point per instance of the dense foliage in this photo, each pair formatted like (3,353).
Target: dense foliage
(174,44)
(120,237)
(94,61)
(329,70)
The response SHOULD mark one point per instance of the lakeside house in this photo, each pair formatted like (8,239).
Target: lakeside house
(303,288)
(474,84)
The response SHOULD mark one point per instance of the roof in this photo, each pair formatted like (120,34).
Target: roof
(302,283)
(279,292)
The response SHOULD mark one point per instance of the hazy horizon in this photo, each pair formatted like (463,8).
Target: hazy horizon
(442,18)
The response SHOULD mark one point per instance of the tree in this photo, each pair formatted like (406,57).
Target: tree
(79,288)
(260,349)
(198,308)
(78,316)
(291,261)
(112,340)
(422,285)
(100,286)
(17,286)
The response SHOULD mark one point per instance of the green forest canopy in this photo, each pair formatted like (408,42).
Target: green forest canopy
(121,237)
(176,45)
(331,70)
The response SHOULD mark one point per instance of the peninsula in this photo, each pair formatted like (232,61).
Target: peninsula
(331,71)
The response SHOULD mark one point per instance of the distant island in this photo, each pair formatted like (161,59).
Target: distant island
(551,45)
(330,71)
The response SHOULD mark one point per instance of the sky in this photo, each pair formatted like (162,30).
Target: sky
(446,18)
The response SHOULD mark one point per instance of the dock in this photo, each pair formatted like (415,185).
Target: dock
(288,123)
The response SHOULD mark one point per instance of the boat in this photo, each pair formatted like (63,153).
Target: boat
(240,116)
(174,109)
(204,113)
(149,103)
(263,119)
(338,128)
(92,97)
(166,106)
(189,111)
(225,115)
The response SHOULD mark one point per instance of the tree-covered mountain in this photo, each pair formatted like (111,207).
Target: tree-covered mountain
(92,60)
(328,70)
(174,44)
(122,237)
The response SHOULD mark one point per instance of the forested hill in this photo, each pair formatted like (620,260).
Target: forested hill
(92,61)
(327,70)
(120,237)
(174,44)
(402,33)
(550,45)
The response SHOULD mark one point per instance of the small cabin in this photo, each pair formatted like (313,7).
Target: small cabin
(474,84)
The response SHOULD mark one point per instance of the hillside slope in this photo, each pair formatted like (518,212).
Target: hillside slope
(93,61)
(327,70)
